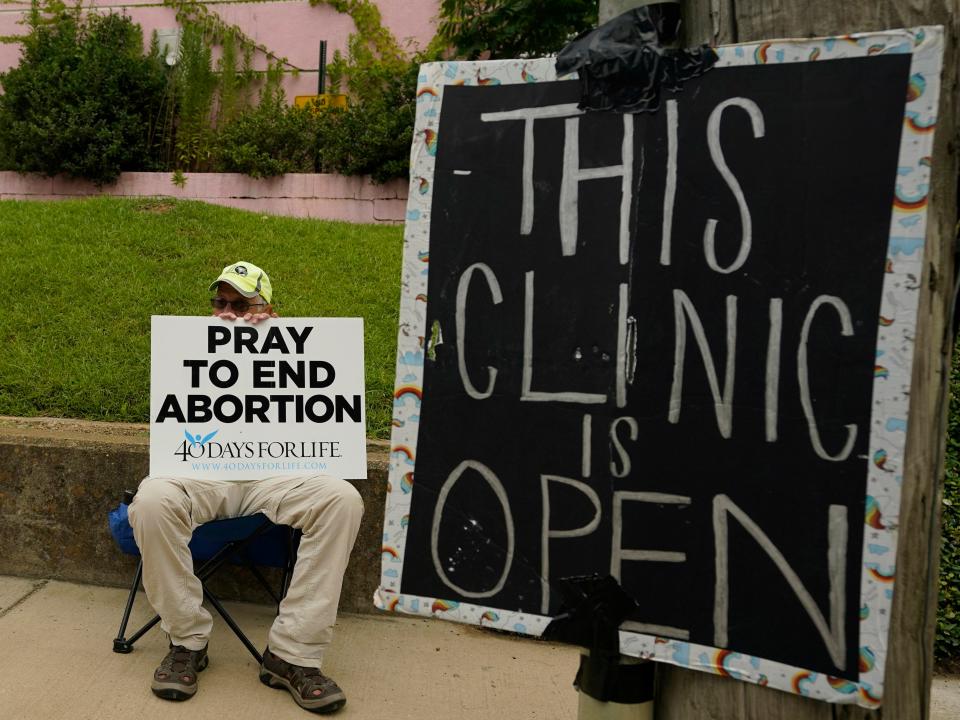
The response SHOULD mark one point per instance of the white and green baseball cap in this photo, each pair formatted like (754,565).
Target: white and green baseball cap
(247,279)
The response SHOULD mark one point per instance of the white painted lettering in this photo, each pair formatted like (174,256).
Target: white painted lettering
(546,533)
(529,115)
(461,321)
(494,482)
(617,447)
(670,191)
(834,634)
(683,309)
(716,154)
(772,388)
(803,376)
(527,393)
(617,552)
(573,175)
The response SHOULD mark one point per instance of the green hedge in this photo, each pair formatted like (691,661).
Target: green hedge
(86,101)
(83,99)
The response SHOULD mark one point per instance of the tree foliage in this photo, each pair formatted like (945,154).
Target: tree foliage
(270,138)
(372,135)
(86,101)
(81,99)
(195,86)
(513,28)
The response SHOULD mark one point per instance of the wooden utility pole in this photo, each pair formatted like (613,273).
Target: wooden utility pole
(688,695)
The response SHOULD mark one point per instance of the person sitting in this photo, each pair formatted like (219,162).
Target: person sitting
(326,509)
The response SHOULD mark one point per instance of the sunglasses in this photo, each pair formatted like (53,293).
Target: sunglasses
(239,306)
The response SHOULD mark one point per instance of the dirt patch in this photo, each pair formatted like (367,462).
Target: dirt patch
(74,430)
(155,206)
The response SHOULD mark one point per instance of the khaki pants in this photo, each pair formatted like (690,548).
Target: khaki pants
(165,512)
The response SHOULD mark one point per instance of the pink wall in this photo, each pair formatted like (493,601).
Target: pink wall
(328,197)
(290,28)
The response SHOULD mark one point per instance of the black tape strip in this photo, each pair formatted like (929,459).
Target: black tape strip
(622,65)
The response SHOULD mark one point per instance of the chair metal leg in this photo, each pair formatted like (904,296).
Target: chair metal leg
(263,581)
(120,643)
(141,632)
(125,645)
(292,543)
(233,625)
(214,564)
(211,566)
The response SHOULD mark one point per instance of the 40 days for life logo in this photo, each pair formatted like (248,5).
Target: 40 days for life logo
(197,446)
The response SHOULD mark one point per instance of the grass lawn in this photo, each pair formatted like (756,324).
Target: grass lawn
(82,278)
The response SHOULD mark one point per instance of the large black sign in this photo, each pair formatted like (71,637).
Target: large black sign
(651,352)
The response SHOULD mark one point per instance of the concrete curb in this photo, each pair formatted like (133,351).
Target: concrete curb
(60,478)
(323,196)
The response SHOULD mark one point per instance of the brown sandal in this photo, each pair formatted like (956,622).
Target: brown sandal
(176,678)
(310,688)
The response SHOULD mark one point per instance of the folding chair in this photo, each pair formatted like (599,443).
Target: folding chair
(250,541)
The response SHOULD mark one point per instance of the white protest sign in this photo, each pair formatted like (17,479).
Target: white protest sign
(237,401)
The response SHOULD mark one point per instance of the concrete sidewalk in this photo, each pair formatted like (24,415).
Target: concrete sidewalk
(57,663)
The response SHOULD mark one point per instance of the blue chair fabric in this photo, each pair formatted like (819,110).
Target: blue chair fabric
(271,549)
